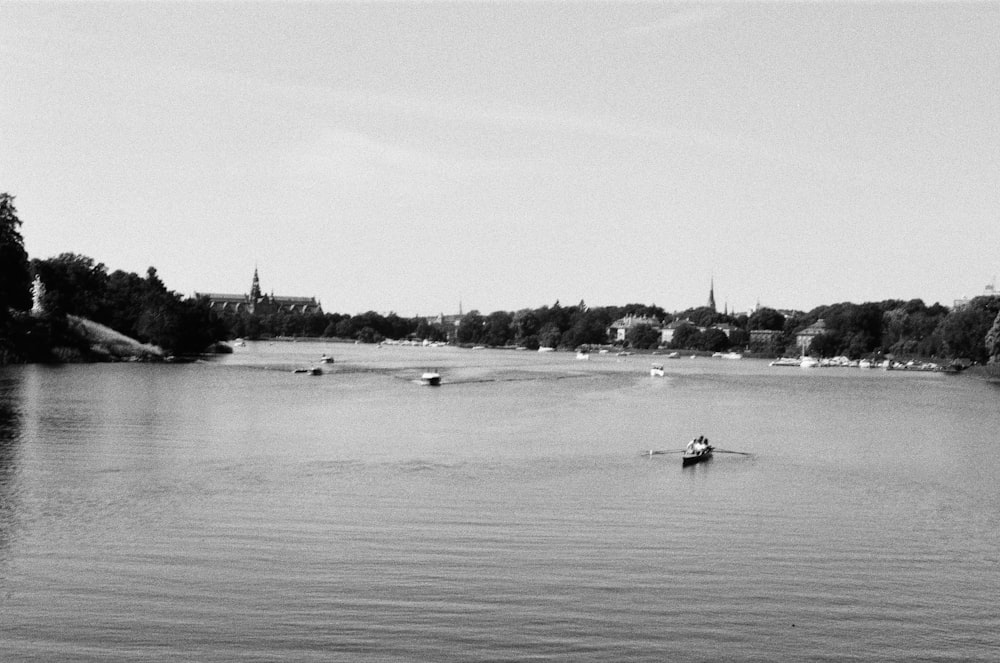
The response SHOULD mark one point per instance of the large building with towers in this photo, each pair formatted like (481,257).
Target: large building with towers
(259,303)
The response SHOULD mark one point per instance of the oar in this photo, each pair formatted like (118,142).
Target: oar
(724,451)
(655,452)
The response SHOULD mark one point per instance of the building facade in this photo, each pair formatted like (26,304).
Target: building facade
(258,303)
(804,338)
(620,327)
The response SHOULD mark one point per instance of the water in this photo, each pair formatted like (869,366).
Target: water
(235,511)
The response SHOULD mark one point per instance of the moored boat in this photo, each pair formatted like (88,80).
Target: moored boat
(656,371)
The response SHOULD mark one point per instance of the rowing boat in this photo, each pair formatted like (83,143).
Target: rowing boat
(692,457)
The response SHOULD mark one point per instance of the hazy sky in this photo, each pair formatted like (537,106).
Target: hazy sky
(403,157)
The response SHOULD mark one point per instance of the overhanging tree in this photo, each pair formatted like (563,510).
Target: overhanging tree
(15,275)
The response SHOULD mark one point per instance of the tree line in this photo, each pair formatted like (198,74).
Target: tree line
(143,308)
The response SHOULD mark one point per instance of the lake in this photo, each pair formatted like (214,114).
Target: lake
(232,510)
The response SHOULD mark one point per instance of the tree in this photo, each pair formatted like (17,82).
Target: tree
(471,328)
(766,318)
(549,335)
(686,337)
(825,345)
(498,331)
(703,316)
(643,337)
(74,285)
(526,327)
(589,327)
(714,340)
(964,331)
(15,275)
(993,341)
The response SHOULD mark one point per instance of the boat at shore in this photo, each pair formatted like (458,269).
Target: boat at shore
(786,361)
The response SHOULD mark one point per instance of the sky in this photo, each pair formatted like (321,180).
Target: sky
(414,157)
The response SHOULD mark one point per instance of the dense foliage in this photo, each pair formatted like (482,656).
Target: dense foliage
(140,307)
(15,278)
(15,286)
(993,341)
(143,308)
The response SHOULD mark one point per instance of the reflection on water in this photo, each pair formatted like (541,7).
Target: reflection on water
(237,511)
(10,436)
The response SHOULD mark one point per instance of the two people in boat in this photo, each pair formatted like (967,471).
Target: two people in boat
(698,445)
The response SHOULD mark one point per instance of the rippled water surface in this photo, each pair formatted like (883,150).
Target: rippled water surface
(235,511)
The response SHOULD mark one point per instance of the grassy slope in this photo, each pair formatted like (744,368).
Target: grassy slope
(106,342)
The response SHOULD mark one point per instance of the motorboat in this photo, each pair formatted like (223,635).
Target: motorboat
(786,361)
(809,362)
(656,371)
(582,354)
(430,378)
(326,359)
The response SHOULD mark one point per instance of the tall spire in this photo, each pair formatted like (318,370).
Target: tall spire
(255,288)
(711,295)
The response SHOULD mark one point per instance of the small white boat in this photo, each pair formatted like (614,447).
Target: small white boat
(809,362)
(430,379)
(786,361)
(326,359)
(674,355)
(546,348)
(865,363)
(583,355)
(656,371)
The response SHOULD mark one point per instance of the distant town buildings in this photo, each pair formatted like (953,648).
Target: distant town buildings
(804,338)
(989,291)
(258,303)
(668,331)
(620,327)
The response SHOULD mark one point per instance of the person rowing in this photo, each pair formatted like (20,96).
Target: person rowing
(697,445)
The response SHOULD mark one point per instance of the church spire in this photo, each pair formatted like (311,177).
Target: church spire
(255,288)
(711,295)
